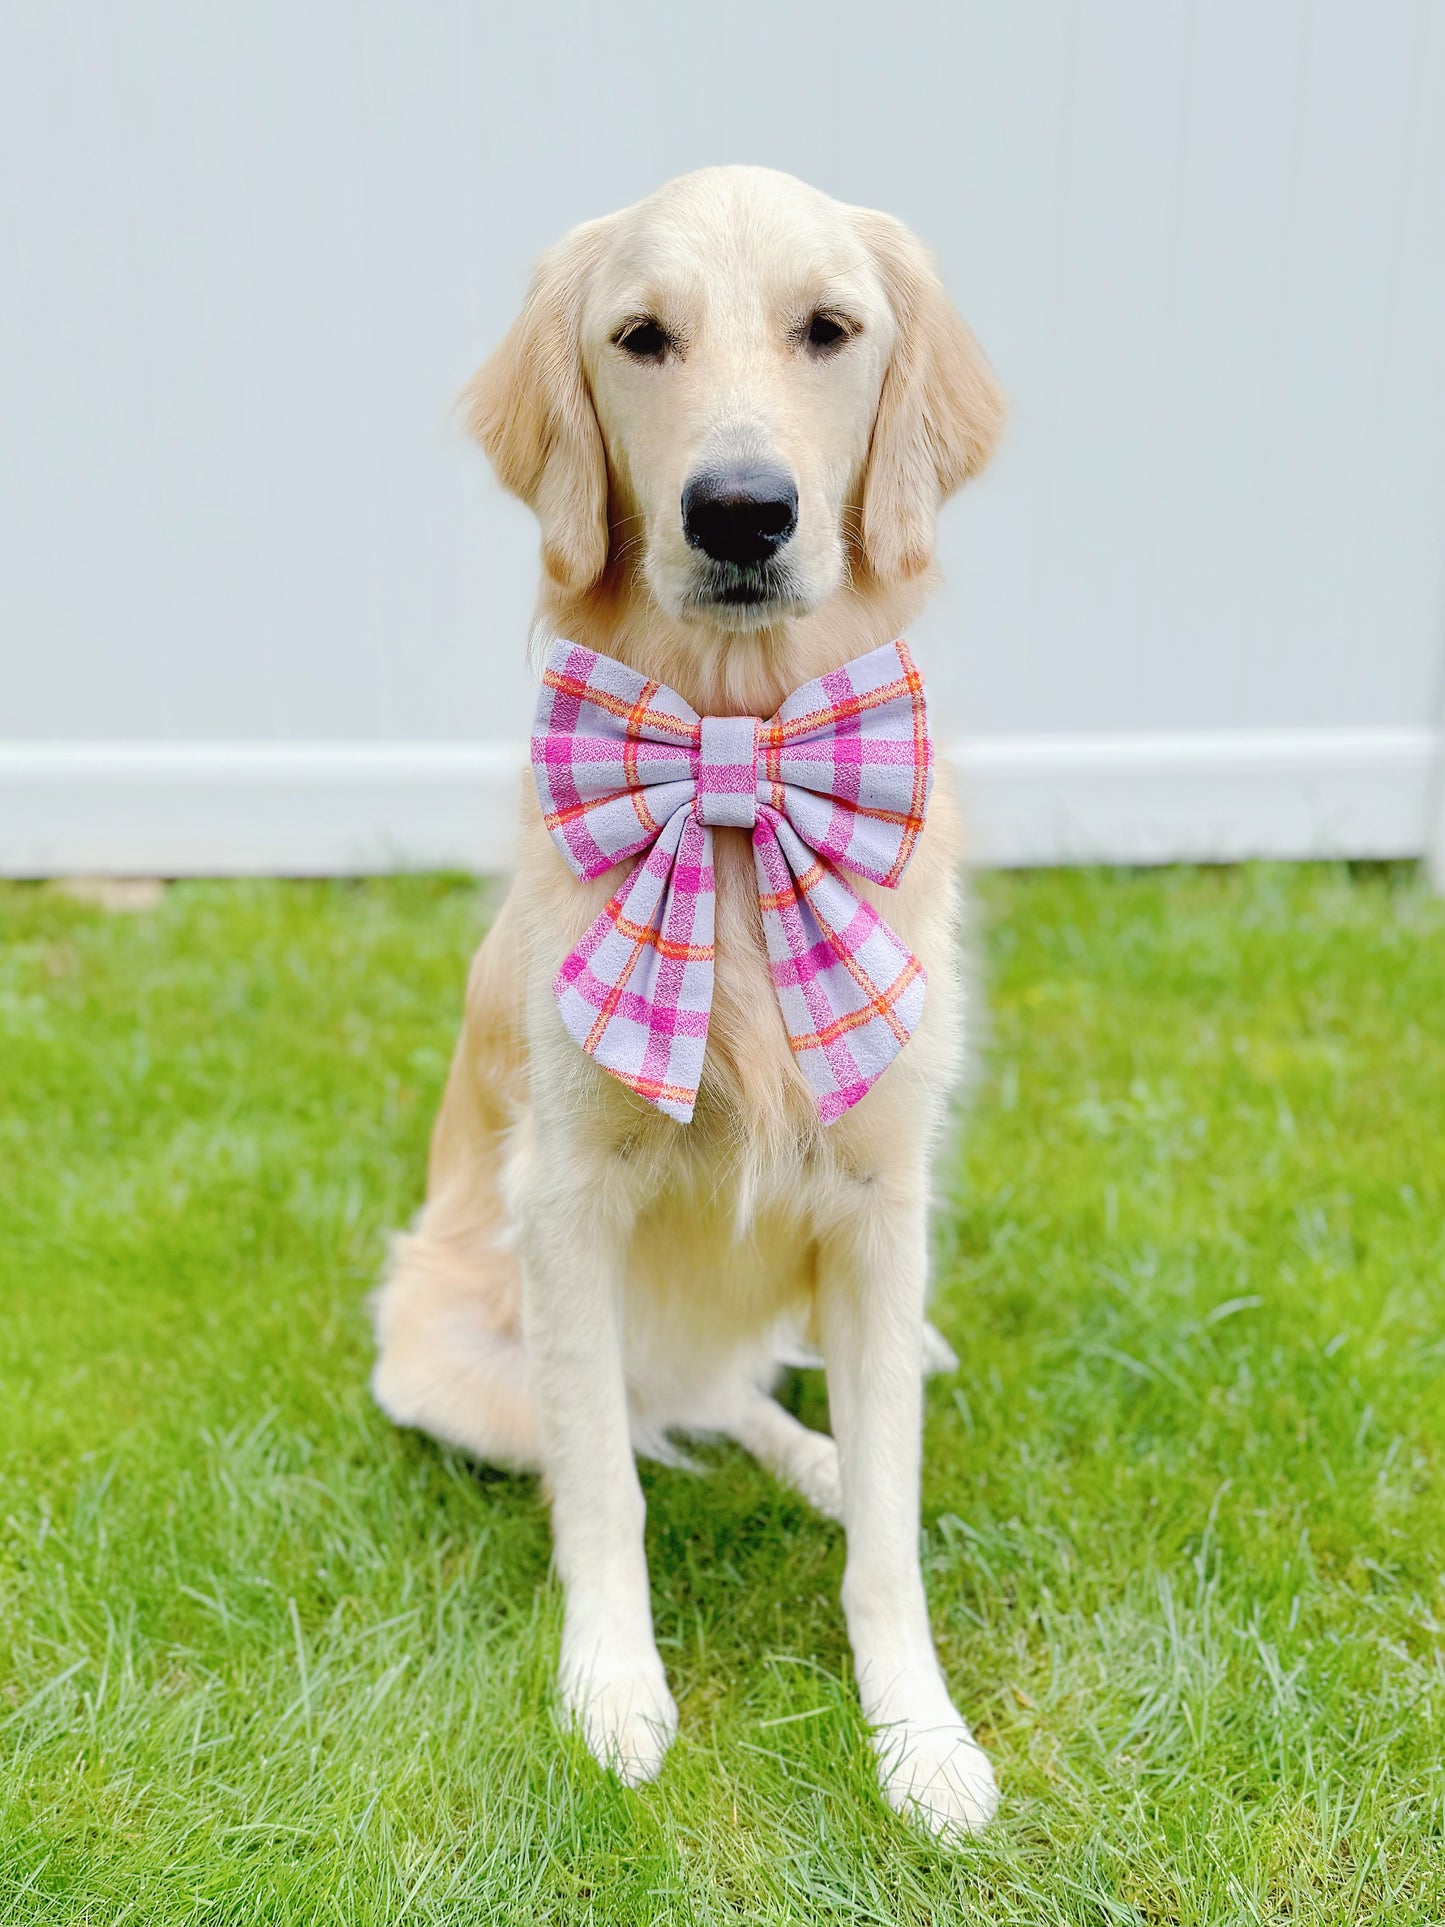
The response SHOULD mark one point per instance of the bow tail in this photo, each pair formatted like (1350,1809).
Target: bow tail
(851,992)
(637,990)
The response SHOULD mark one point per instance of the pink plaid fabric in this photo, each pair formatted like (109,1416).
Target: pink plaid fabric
(839,778)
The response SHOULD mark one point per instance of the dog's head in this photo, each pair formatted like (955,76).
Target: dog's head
(739,391)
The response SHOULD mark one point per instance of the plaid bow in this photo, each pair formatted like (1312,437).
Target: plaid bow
(840,775)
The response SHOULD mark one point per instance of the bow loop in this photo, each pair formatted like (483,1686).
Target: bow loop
(851,756)
(838,779)
(614,754)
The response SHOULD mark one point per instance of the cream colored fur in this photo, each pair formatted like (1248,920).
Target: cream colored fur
(587,1276)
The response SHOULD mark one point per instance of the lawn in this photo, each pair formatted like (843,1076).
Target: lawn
(264,1659)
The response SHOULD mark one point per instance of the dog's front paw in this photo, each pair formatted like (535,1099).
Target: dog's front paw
(937,1776)
(628,1718)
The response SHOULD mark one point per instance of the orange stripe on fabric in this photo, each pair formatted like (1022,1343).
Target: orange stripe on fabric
(652,938)
(778,899)
(573,810)
(654,719)
(844,710)
(920,766)
(614,995)
(879,1005)
(889,997)
(650,1088)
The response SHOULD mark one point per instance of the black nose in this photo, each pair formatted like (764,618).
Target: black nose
(740,515)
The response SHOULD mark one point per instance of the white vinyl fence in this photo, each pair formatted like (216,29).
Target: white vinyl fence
(262,609)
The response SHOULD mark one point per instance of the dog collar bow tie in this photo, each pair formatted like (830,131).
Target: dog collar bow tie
(839,776)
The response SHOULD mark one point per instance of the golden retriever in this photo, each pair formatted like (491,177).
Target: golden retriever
(588,1275)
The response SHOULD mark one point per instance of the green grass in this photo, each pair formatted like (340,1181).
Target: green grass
(263,1658)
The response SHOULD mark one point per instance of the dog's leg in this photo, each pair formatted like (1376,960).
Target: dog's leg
(871,1284)
(572,1248)
(796,1455)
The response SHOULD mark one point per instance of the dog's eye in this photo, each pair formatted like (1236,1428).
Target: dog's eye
(644,340)
(825,332)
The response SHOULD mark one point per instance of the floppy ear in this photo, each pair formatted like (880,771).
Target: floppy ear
(940,411)
(530,409)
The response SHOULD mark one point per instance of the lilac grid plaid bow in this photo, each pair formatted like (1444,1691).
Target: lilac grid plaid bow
(840,775)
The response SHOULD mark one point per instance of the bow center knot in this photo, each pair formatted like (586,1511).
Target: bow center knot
(727,776)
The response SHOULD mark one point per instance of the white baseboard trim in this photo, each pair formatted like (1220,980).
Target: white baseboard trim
(319,809)
(1199,797)
(256,809)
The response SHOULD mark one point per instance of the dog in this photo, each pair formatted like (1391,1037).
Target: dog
(735,409)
